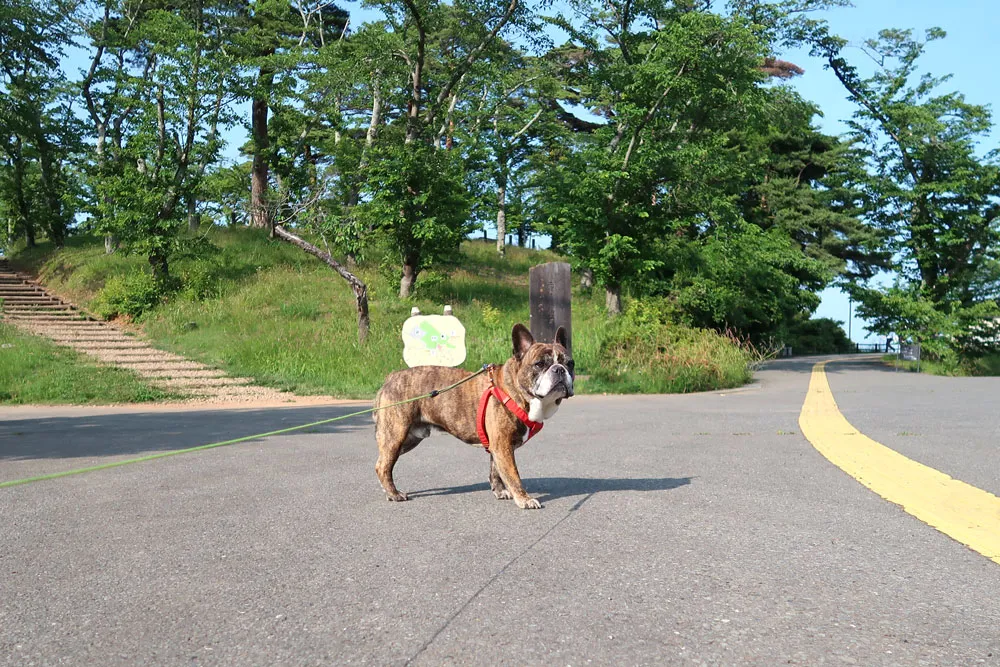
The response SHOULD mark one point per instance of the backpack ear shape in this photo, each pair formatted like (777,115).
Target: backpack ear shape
(561,337)
(522,339)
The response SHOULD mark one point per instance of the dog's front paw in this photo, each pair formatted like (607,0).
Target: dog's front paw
(503,494)
(527,503)
(397,497)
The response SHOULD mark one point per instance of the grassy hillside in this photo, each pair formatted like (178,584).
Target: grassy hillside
(266,310)
(33,370)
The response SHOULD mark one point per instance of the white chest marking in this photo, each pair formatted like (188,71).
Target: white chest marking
(539,410)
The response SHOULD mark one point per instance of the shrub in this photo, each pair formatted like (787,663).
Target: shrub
(819,336)
(202,281)
(130,294)
(645,351)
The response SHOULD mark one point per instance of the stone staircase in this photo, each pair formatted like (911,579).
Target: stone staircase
(28,306)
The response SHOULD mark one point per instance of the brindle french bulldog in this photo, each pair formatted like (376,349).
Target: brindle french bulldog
(537,377)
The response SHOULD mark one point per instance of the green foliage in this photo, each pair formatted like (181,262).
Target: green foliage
(39,134)
(805,189)
(419,201)
(744,278)
(645,352)
(132,295)
(285,320)
(167,95)
(949,332)
(932,197)
(664,164)
(817,336)
(691,179)
(33,370)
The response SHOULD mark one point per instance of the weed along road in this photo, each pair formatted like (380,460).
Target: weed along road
(675,529)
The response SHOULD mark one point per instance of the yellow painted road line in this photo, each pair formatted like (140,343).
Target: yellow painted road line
(959,510)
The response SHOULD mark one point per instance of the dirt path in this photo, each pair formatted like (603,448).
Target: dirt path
(27,305)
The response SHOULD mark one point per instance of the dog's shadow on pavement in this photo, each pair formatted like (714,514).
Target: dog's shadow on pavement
(553,488)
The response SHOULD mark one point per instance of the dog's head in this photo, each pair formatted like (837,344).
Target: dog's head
(544,371)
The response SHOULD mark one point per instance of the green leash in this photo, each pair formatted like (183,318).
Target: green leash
(224,443)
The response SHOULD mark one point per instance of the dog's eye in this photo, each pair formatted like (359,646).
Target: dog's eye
(540,363)
(570,365)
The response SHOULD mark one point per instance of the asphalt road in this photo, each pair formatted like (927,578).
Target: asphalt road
(699,529)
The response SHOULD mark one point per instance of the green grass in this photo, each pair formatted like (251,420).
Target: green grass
(988,365)
(266,310)
(33,370)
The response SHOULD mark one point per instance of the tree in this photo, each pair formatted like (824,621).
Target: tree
(804,185)
(37,129)
(672,81)
(508,121)
(162,102)
(417,188)
(931,195)
(272,48)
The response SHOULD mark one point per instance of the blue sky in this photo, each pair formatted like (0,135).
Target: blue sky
(968,53)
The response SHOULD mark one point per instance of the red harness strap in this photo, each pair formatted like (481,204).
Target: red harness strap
(505,400)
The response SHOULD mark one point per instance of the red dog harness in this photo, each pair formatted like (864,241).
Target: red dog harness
(505,400)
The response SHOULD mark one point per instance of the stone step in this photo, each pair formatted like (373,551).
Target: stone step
(179,375)
(31,301)
(85,337)
(46,309)
(83,325)
(42,319)
(47,314)
(141,366)
(90,346)
(70,336)
(80,328)
(28,305)
(139,354)
(52,308)
(204,382)
(133,357)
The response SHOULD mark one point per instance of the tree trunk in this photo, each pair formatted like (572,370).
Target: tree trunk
(409,277)
(359,288)
(23,208)
(194,218)
(522,236)
(613,299)
(259,214)
(587,279)
(56,227)
(110,244)
(161,269)
(501,215)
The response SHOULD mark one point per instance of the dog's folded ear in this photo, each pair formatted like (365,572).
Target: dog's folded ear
(522,340)
(561,337)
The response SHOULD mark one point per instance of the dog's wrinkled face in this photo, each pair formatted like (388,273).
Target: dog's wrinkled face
(545,370)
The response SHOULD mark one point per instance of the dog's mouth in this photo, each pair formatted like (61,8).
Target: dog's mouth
(562,389)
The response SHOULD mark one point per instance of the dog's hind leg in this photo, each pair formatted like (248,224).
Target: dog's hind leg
(500,489)
(392,444)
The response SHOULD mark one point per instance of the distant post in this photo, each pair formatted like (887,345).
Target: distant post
(549,297)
